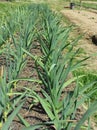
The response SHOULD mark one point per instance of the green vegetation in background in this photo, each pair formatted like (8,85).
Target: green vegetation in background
(90,5)
(4,8)
(7,7)
(85,4)
(89,77)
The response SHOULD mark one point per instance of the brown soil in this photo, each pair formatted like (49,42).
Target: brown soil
(86,23)
(32,114)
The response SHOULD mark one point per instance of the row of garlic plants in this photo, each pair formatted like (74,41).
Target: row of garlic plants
(5,16)
(38,23)
(21,33)
(57,62)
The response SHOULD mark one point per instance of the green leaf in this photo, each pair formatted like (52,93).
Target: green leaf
(11,117)
(92,109)
(25,79)
(45,105)
(23,120)
(33,127)
(37,126)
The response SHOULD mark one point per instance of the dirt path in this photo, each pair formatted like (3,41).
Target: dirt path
(86,22)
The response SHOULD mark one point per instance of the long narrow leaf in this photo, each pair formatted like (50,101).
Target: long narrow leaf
(11,117)
(88,113)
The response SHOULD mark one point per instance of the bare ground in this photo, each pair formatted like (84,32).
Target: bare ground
(86,23)
(86,20)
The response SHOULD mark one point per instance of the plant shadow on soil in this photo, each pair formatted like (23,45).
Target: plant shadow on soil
(33,114)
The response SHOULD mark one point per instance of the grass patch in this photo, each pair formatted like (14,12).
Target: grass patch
(89,76)
(90,5)
(87,5)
